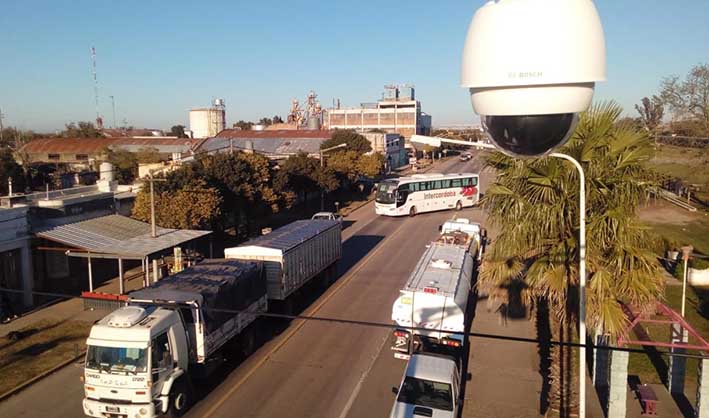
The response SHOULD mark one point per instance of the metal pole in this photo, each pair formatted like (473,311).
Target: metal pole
(322,191)
(120,276)
(582,281)
(113,104)
(91,276)
(153,232)
(1,127)
(686,251)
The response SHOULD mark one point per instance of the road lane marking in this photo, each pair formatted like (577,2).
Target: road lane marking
(358,387)
(313,310)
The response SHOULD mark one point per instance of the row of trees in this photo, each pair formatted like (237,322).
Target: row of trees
(247,125)
(225,190)
(687,99)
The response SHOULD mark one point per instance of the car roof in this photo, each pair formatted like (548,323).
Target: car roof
(428,367)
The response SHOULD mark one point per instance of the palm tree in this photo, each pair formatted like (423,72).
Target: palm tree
(534,204)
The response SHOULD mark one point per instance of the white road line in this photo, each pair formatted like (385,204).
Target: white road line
(358,387)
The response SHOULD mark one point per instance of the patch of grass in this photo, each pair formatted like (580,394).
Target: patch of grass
(642,364)
(695,233)
(44,345)
(688,164)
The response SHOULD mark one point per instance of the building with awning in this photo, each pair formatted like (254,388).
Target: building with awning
(116,237)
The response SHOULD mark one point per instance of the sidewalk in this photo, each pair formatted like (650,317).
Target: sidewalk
(72,308)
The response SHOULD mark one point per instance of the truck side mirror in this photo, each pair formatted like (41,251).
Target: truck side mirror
(394,390)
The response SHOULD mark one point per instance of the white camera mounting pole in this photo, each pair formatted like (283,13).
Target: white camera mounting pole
(437,141)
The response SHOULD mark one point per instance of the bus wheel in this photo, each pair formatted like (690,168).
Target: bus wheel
(459,206)
(412,211)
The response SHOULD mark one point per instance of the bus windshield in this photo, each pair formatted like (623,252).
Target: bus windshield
(386,193)
(116,360)
(427,393)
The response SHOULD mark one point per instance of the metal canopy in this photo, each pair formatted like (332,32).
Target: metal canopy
(661,315)
(116,236)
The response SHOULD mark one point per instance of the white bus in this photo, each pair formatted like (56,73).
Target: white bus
(425,193)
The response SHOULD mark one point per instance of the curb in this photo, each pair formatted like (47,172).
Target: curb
(22,386)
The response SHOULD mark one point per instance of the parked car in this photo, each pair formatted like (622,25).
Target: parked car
(430,387)
(465,156)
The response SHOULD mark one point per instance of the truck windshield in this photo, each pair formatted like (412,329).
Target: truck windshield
(116,360)
(386,193)
(427,393)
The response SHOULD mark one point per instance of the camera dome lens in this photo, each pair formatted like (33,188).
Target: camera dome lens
(529,135)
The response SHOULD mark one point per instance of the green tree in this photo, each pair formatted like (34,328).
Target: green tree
(689,98)
(299,173)
(265,121)
(125,165)
(148,155)
(370,165)
(81,130)
(651,112)
(355,142)
(193,206)
(534,203)
(277,119)
(243,125)
(10,169)
(178,131)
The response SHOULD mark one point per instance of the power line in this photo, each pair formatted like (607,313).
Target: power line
(390,326)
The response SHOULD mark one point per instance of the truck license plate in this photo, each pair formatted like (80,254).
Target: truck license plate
(113,409)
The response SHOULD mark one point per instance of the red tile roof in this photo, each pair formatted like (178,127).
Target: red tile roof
(94,145)
(284,133)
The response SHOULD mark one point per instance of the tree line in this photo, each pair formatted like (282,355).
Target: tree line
(230,189)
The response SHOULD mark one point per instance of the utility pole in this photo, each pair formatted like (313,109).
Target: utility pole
(113,104)
(322,165)
(153,227)
(1,127)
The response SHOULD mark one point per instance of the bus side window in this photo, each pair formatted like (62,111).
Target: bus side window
(423,186)
(438,185)
(467,182)
(446,184)
(457,183)
(414,187)
(474,181)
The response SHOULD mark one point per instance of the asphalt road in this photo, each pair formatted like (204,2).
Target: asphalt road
(311,369)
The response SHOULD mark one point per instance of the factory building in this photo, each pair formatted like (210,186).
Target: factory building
(208,122)
(397,112)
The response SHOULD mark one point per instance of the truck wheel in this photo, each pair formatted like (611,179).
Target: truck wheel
(180,398)
(412,212)
(459,206)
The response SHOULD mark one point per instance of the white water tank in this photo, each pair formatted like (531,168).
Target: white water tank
(207,122)
(106,171)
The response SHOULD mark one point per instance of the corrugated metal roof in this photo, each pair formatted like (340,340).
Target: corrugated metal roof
(289,236)
(281,134)
(268,146)
(118,235)
(94,145)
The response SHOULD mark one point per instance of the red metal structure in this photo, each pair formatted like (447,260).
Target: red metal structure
(662,315)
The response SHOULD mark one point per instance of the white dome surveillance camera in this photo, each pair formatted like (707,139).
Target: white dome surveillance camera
(531,66)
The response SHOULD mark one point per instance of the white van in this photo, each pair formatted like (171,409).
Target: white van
(430,388)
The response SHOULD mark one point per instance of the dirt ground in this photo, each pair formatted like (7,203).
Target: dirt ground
(663,212)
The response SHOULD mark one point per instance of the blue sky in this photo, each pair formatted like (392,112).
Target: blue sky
(159,59)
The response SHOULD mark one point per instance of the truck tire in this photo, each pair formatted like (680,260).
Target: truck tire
(180,398)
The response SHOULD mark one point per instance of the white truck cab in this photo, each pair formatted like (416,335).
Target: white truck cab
(135,357)
(430,387)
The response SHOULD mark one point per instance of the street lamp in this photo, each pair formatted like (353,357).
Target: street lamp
(436,142)
(322,164)
(531,68)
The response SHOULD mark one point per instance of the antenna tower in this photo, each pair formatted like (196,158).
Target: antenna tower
(99,120)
